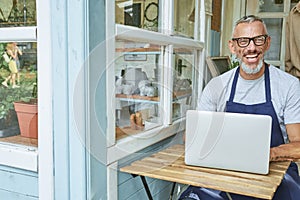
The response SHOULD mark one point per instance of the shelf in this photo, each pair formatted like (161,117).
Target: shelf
(142,99)
(136,50)
(136,98)
(182,94)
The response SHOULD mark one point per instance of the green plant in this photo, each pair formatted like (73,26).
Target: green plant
(26,92)
(233,65)
(234,62)
(3,64)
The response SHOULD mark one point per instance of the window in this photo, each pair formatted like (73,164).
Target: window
(18,75)
(273,13)
(156,63)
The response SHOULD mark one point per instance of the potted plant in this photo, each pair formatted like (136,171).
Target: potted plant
(8,117)
(27,113)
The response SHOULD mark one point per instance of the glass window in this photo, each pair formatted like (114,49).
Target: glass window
(274,27)
(139,13)
(293,3)
(271,6)
(137,87)
(18,76)
(17,13)
(184,60)
(184,18)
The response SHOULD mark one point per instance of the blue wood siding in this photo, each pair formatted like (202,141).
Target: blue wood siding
(18,184)
(131,188)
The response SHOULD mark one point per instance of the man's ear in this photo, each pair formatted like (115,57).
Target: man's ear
(231,46)
(268,43)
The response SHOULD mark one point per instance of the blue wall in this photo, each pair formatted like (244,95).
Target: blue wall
(131,188)
(215,43)
(16,184)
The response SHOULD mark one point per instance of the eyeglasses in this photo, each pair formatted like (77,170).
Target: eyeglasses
(245,41)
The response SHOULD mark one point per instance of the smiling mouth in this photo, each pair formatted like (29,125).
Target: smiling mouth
(252,57)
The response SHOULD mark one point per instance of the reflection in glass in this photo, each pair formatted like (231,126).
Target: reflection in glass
(182,81)
(18,76)
(184,18)
(138,13)
(17,13)
(137,87)
(274,27)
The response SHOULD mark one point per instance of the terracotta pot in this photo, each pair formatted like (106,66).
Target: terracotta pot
(28,119)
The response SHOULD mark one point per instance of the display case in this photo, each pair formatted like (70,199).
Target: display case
(137,87)
(156,72)
(141,89)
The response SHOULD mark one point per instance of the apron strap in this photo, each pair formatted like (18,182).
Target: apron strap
(267,83)
(232,93)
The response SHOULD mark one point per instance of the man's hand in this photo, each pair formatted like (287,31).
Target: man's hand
(285,152)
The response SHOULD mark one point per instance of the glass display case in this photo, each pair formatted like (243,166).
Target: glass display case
(137,87)
(154,68)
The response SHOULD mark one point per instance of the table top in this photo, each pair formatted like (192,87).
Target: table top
(168,164)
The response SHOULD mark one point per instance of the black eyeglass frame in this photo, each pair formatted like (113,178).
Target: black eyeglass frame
(250,39)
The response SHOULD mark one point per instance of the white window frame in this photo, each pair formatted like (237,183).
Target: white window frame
(39,160)
(14,155)
(126,146)
(45,106)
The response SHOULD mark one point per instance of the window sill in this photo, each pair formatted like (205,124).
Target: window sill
(128,145)
(19,152)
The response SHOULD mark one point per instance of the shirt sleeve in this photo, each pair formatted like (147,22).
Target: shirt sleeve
(206,101)
(211,96)
(292,108)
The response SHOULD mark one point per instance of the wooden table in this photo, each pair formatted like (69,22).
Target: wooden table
(169,165)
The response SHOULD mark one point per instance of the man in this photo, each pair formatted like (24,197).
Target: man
(258,88)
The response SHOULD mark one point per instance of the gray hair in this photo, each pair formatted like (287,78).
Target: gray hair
(249,19)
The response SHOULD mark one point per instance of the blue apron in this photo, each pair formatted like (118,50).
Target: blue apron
(289,189)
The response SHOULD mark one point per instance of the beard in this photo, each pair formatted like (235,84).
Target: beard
(249,70)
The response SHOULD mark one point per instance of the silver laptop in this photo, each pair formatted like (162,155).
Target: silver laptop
(233,141)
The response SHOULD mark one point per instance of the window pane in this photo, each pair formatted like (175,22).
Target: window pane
(274,27)
(18,82)
(138,13)
(271,6)
(293,3)
(17,13)
(138,86)
(182,81)
(184,18)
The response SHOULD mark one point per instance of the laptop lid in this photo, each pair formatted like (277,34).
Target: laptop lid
(232,141)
